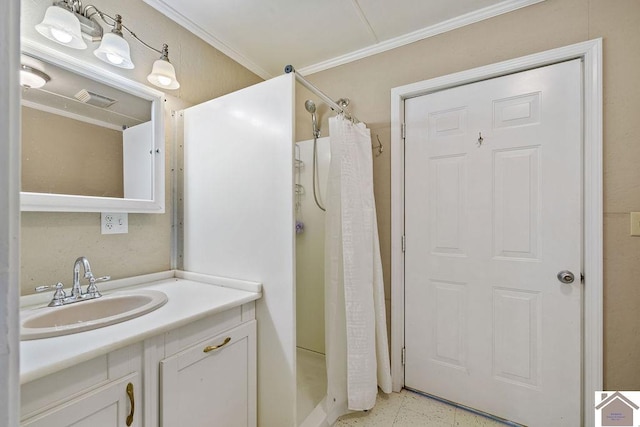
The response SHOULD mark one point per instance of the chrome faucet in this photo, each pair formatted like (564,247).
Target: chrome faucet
(61,298)
(76,290)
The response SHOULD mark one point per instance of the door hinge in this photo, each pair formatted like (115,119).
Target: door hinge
(404,356)
(581,278)
(403,130)
(404,243)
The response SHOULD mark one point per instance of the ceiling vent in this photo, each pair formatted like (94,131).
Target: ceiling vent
(94,99)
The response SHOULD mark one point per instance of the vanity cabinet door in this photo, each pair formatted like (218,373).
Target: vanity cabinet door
(113,404)
(212,383)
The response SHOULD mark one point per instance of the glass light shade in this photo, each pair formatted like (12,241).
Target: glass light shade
(61,26)
(163,75)
(114,50)
(32,78)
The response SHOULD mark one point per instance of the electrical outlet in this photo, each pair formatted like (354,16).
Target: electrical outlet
(114,223)
(635,223)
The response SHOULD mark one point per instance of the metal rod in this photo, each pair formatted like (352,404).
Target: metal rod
(331,103)
(118,26)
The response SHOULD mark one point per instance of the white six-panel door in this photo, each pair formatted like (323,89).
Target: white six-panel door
(493,214)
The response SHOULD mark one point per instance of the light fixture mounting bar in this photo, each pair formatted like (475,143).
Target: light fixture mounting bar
(116,23)
(89,27)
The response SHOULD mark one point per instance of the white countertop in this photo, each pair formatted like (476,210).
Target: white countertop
(190,297)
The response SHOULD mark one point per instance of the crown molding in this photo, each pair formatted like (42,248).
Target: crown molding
(433,30)
(205,35)
(421,34)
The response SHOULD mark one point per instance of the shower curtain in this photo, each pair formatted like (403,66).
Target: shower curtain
(357,351)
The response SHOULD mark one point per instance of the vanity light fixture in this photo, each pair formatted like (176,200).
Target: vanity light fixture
(61,26)
(163,74)
(113,48)
(68,23)
(32,78)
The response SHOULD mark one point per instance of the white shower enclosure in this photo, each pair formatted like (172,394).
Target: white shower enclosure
(239,219)
(310,325)
(310,243)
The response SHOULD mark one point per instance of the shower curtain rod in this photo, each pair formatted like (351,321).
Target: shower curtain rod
(331,103)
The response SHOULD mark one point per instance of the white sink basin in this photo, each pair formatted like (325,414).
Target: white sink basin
(86,315)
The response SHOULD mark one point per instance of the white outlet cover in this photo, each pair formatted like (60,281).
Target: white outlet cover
(114,223)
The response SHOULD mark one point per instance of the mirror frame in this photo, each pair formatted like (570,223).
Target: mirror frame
(49,202)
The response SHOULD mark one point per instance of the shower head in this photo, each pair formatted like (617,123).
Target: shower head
(310,106)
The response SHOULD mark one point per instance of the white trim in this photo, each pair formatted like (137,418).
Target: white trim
(593,361)
(69,115)
(591,54)
(74,203)
(9,215)
(397,238)
(177,17)
(421,34)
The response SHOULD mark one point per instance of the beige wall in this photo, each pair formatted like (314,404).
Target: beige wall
(50,242)
(551,24)
(51,146)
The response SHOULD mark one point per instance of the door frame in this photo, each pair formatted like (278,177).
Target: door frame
(10,215)
(590,52)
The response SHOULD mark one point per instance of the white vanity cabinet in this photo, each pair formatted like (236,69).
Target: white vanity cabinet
(174,381)
(110,405)
(104,391)
(212,382)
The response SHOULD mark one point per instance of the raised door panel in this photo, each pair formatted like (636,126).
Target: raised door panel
(108,405)
(492,213)
(215,387)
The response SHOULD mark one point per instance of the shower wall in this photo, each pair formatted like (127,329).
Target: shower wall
(310,245)
(238,219)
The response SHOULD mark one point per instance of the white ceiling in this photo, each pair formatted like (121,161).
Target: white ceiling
(314,35)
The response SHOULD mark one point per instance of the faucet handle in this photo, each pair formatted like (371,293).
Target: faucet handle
(92,289)
(58,296)
(94,280)
(58,287)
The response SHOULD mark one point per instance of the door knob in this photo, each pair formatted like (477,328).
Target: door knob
(565,276)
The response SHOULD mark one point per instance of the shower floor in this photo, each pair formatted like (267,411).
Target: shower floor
(311,381)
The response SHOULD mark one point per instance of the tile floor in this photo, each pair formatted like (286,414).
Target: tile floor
(409,409)
(404,409)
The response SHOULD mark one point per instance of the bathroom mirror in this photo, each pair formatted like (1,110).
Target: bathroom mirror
(92,140)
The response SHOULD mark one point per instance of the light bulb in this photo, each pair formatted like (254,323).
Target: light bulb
(164,81)
(62,26)
(114,59)
(61,35)
(114,50)
(163,75)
